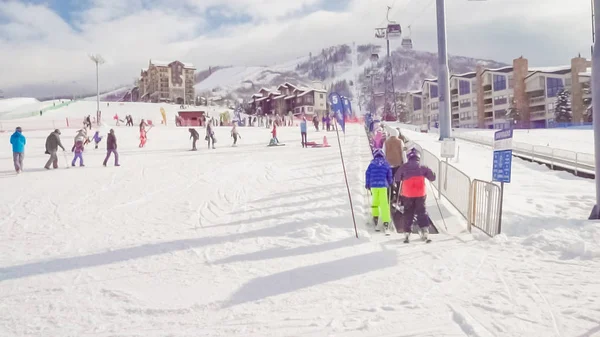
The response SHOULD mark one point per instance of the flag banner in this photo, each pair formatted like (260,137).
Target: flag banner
(337,106)
(347,106)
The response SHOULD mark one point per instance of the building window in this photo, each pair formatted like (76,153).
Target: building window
(499,82)
(499,100)
(417,103)
(465,103)
(554,86)
(464,87)
(320,95)
(433,91)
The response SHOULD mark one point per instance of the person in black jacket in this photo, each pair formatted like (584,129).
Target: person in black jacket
(194,134)
(111,147)
(52,144)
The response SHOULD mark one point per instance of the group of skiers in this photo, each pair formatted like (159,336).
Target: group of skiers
(210,135)
(53,143)
(396,173)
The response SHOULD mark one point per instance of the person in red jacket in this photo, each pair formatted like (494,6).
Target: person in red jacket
(414,192)
(274,132)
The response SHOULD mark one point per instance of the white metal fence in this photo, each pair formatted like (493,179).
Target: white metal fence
(577,161)
(484,209)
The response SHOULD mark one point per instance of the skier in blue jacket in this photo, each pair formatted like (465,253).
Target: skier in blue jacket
(378,179)
(18,142)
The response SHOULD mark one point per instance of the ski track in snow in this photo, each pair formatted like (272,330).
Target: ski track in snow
(258,241)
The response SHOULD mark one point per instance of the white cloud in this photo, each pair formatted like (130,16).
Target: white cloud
(38,47)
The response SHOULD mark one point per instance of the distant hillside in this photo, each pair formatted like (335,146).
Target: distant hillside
(338,67)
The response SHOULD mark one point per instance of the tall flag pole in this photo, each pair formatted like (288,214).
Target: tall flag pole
(337,106)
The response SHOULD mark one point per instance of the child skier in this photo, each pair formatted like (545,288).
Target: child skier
(78,150)
(235,134)
(378,179)
(97,138)
(414,192)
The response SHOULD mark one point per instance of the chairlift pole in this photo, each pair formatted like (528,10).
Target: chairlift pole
(596,110)
(443,73)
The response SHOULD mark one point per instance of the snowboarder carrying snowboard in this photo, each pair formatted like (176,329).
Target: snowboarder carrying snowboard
(378,179)
(414,192)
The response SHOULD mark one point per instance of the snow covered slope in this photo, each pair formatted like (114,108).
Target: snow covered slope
(259,241)
(9,104)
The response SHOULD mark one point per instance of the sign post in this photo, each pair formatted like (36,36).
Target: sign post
(501,169)
(448,152)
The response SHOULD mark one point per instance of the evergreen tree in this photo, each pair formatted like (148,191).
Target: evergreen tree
(512,112)
(562,110)
(588,116)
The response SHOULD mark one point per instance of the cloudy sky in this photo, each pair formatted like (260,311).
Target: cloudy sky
(48,41)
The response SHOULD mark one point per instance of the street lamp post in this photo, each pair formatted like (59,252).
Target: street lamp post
(98,60)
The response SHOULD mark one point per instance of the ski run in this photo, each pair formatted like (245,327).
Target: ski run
(259,241)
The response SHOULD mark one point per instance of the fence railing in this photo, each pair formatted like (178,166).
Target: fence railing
(484,209)
(40,124)
(576,161)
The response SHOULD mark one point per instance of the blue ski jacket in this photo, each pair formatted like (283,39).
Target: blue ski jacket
(379,174)
(18,142)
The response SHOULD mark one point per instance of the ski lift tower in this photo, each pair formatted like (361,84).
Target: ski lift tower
(393,31)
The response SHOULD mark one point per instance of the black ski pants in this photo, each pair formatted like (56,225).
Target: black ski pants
(415,207)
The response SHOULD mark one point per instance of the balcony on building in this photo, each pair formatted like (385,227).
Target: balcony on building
(538,112)
(537,97)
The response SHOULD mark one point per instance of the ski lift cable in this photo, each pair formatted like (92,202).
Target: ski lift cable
(402,8)
(421,12)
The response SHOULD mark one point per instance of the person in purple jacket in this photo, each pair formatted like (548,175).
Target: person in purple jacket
(111,147)
(414,192)
(97,138)
(378,179)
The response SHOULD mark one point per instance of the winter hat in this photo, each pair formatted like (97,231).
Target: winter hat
(57,131)
(18,129)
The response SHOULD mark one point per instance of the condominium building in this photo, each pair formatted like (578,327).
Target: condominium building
(167,82)
(482,99)
(289,97)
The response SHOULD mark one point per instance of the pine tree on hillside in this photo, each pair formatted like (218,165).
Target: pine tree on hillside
(562,110)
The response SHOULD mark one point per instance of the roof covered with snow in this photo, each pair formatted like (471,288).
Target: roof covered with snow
(562,70)
(506,69)
(471,74)
(158,63)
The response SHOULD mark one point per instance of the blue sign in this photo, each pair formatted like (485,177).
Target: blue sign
(503,134)
(501,170)
(338,109)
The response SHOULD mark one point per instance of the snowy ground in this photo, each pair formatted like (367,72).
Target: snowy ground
(258,241)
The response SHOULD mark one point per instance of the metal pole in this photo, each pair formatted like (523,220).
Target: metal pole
(593,26)
(97,95)
(596,110)
(501,205)
(443,72)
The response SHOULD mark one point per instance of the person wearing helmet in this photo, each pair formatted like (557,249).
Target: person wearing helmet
(394,154)
(18,141)
(414,192)
(378,178)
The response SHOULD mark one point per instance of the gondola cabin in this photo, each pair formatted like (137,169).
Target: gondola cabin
(394,31)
